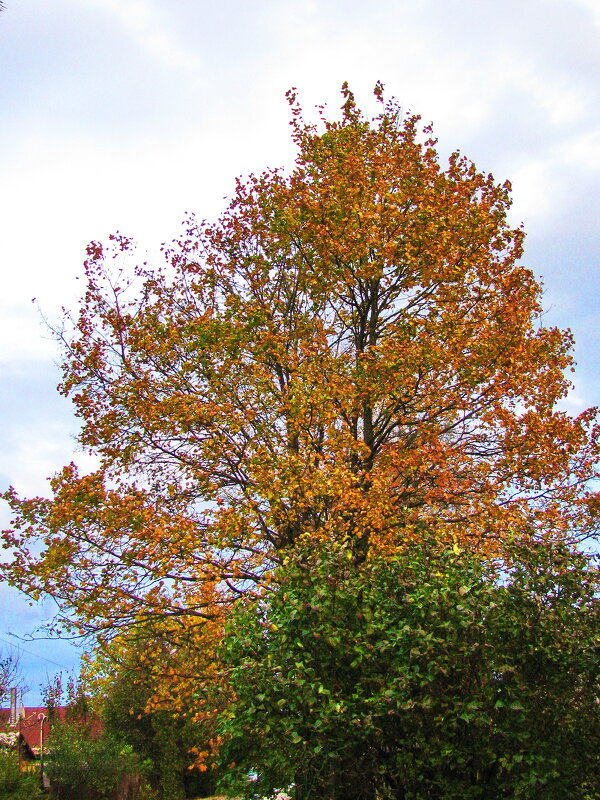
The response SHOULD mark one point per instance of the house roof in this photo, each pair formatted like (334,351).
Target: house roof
(30,724)
(14,738)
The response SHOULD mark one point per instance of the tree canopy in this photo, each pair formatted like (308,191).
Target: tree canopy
(351,352)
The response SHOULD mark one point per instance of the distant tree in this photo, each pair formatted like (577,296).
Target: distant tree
(86,765)
(88,761)
(430,675)
(152,698)
(10,674)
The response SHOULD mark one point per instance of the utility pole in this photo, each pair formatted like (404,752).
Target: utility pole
(42,717)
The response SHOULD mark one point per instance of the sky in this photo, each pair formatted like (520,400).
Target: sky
(127,114)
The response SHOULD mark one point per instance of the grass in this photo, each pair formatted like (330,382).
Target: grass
(212,797)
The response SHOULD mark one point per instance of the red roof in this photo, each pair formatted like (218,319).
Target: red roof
(30,724)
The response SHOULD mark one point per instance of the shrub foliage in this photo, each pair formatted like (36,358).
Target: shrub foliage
(432,675)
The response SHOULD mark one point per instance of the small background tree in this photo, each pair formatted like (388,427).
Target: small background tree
(86,760)
(149,695)
(165,739)
(10,674)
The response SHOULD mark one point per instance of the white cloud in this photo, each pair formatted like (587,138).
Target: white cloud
(582,151)
(594,7)
(544,188)
(147,25)
(534,190)
(561,99)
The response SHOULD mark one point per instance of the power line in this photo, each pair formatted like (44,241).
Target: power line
(35,655)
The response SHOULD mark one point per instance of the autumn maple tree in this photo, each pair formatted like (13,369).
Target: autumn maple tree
(351,352)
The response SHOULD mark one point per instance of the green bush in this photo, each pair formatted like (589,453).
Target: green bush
(160,737)
(429,676)
(87,766)
(14,784)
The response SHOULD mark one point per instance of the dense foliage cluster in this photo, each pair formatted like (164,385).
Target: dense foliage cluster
(431,676)
(16,784)
(94,766)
